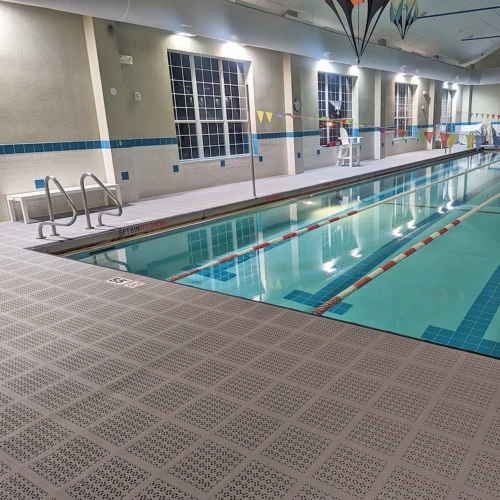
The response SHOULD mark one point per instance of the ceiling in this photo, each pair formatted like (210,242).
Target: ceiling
(438,37)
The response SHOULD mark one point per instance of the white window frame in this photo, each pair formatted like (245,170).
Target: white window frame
(333,132)
(406,111)
(225,121)
(446,110)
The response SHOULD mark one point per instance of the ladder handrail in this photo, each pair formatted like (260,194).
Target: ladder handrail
(86,205)
(51,211)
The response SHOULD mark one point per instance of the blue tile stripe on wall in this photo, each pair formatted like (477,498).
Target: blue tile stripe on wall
(45,147)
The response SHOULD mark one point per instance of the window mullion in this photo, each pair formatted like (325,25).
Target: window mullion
(227,146)
(201,153)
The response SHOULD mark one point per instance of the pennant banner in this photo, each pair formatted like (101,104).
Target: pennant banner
(470,140)
(479,140)
(496,142)
(421,136)
(428,136)
(383,131)
(269,115)
(452,139)
(260,114)
(444,139)
(401,132)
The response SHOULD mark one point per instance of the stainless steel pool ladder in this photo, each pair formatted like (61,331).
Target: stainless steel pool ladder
(86,205)
(51,211)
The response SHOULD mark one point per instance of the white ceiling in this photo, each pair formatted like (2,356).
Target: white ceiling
(429,37)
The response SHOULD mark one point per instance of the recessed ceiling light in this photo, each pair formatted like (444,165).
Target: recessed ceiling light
(183,33)
(185,26)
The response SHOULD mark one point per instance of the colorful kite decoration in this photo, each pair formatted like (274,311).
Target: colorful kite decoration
(403,14)
(359,36)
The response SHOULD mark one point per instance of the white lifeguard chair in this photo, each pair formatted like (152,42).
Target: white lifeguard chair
(350,149)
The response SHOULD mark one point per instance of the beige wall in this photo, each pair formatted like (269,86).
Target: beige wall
(44,77)
(50,96)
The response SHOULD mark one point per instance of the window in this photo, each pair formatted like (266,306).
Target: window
(403,108)
(335,102)
(210,106)
(446,107)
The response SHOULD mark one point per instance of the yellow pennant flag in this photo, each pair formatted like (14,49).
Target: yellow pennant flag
(482,115)
(269,115)
(452,139)
(260,114)
(470,140)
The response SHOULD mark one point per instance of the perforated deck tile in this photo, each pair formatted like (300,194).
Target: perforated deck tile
(250,429)
(258,480)
(168,391)
(207,465)
(163,444)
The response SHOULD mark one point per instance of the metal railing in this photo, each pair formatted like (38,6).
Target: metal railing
(51,222)
(86,205)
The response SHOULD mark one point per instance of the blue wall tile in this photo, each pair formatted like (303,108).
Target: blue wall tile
(176,168)
(39,183)
(125,176)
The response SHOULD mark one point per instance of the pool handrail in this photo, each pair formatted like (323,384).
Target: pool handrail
(51,211)
(86,205)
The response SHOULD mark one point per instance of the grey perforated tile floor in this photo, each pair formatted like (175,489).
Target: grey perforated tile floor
(208,396)
(169,392)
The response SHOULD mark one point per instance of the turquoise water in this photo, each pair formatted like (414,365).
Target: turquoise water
(448,292)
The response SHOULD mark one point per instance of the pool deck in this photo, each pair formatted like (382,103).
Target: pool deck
(166,391)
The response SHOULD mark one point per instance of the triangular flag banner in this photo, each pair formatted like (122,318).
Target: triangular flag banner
(293,116)
(487,116)
(452,139)
(260,114)
(304,117)
(496,142)
(269,115)
(444,139)
(279,115)
(470,140)
(421,135)
(401,132)
(383,131)
(482,115)
(288,114)
(477,114)
(492,117)
(479,140)
(428,136)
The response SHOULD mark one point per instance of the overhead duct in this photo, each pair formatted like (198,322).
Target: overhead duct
(227,20)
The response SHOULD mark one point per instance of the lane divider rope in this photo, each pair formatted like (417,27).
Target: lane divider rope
(396,260)
(312,227)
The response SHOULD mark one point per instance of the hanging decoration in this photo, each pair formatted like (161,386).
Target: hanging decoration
(360,35)
(403,14)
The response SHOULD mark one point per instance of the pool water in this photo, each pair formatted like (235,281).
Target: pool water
(448,292)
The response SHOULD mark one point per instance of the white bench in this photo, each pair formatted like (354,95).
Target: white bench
(23,198)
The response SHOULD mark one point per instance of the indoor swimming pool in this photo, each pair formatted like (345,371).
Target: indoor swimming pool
(448,292)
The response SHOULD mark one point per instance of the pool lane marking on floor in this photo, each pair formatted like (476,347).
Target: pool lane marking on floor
(470,333)
(312,227)
(396,260)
